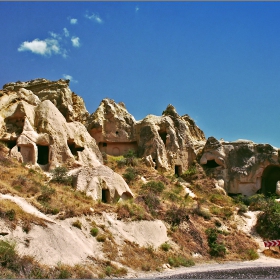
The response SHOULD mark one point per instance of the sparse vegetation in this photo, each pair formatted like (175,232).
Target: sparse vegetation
(94,231)
(60,176)
(216,249)
(77,224)
(162,197)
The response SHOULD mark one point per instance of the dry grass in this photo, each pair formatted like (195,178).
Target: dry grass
(14,215)
(141,258)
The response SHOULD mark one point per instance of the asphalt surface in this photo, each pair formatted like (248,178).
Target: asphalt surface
(241,273)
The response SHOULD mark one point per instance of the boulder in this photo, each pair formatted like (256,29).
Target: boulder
(101,183)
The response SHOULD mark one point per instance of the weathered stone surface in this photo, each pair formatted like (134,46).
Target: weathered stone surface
(244,166)
(113,128)
(102,183)
(58,92)
(163,141)
(39,128)
(171,140)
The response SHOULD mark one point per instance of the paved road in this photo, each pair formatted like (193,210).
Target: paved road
(241,273)
(262,268)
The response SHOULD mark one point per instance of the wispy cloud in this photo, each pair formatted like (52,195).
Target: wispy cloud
(94,17)
(68,77)
(73,21)
(45,47)
(136,9)
(66,32)
(75,41)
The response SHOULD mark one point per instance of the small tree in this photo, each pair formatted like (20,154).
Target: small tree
(60,176)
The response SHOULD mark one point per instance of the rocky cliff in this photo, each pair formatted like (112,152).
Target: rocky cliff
(242,166)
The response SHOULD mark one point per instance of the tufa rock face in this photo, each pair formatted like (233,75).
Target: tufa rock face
(41,133)
(68,103)
(167,141)
(113,128)
(171,140)
(244,166)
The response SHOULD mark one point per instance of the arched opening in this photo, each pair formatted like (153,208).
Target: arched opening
(178,170)
(163,135)
(43,155)
(154,160)
(270,176)
(74,148)
(105,196)
(211,164)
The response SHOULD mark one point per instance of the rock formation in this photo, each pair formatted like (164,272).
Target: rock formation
(242,166)
(171,140)
(167,141)
(113,128)
(45,123)
(41,133)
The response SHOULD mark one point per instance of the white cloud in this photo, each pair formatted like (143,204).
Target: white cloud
(45,47)
(94,17)
(75,41)
(73,21)
(68,77)
(66,32)
(136,9)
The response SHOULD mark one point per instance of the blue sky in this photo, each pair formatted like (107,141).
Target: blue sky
(218,62)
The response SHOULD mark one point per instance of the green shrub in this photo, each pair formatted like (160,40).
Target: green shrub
(101,238)
(60,176)
(77,224)
(108,270)
(216,249)
(7,254)
(176,215)
(165,246)
(152,201)
(130,174)
(64,273)
(46,193)
(257,202)
(268,221)
(129,209)
(180,261)
(11,214)
(94,231)
(252,254)
(155,187)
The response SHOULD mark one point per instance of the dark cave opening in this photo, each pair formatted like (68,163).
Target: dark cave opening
(211,164)
(270,176)
(43,154)
(105,196)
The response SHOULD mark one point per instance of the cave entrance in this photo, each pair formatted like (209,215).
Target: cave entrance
(74,148)
(43,155)
(163,135)
(270,176)
(105,196)
(10,143)
(178,170)
(211,164)
(154,160)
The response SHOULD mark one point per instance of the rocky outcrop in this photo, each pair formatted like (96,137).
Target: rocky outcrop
(171,140)
(101,183)
(242,166)
(113,128)
(70,105)
(40,128)
(167,141)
